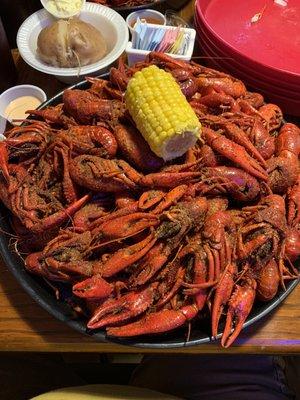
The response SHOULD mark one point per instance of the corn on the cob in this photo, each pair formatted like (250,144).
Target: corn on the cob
(161,112)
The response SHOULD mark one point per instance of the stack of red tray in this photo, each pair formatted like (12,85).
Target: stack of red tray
(257,41)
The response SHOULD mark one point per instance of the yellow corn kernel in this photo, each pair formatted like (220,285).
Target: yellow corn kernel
(161,112)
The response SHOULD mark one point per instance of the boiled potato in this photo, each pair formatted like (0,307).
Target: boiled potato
(70,43)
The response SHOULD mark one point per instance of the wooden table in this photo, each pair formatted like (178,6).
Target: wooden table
(25,326)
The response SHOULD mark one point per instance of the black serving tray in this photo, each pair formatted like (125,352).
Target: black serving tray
(44,296)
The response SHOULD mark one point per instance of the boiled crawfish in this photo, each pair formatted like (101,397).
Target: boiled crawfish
(149,246)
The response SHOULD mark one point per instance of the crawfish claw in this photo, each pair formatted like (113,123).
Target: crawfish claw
(114,311)
(157,322)
(92,288)
(240,305)
(222,295)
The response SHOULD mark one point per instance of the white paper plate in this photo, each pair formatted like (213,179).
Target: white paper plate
(112,26)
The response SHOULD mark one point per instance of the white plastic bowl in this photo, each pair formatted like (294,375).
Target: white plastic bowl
(45,4)
(14,93)
(112,26)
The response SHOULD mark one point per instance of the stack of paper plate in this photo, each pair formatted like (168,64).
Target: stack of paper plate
(258,41)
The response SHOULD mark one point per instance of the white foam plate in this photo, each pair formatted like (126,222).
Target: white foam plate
(111,25)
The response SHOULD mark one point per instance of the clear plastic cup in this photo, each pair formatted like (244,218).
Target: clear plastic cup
(144,14)
(174,20)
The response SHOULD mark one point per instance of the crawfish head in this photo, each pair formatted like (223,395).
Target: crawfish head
(24,151)
(292,244)
(30,204)
(272,212)
(135,149)
(65,257)
(85,139)
(84,107)
(265,249)
(283,172)
(27,143)
(16,175)
(257,246)
(261,233)
(294,204)
(234,181)
(90,212)
(268,281)
(178,222)
(29,241)
(179,219)
(272,116)
(167,229)
(188,214)
(68,246)
(99,174)
(54,115)
(44,174)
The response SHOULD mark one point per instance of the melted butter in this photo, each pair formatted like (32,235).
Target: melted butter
(64,8)
(17,108)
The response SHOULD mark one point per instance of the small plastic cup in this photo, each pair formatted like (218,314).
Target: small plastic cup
(148,14)
(63,15)
(174,20)
(14,93)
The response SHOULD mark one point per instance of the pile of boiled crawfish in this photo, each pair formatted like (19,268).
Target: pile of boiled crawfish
(123,3)
(147,246)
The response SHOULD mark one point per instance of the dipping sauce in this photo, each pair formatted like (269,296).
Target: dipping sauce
(17,108)
(149,20)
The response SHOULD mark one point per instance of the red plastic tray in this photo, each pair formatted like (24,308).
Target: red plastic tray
(249,74)
(271,44)
(289,105)
(239,61)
